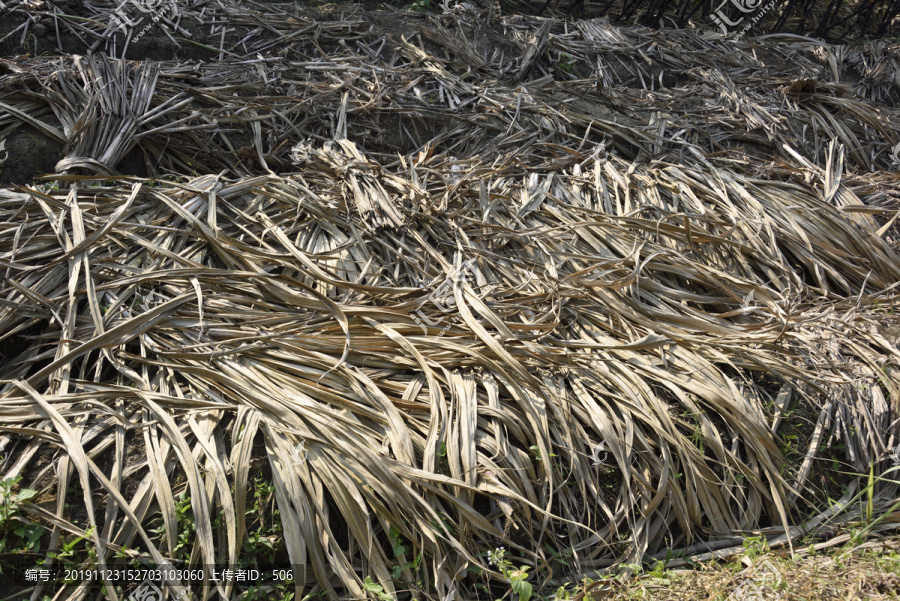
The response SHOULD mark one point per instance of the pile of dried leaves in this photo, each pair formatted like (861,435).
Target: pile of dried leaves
(463,281)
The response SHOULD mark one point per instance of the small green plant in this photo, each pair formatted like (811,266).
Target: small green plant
(791,445)
(445,525)
(186,527)
(564,594)
(16,532)
(518,579)
(660,571)
(857,537)
(755,546)
(400,550)
(265,536)
(566,62)
(66,554)
(376,590)
(258,592)
(560,557)
(697,431)
(420,5)
(536,451)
